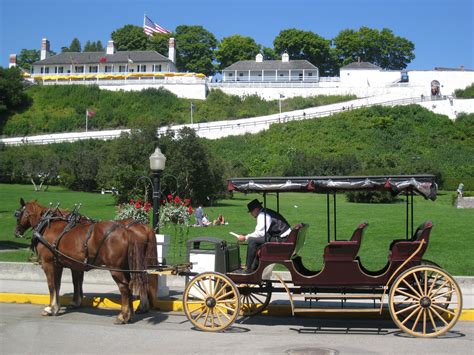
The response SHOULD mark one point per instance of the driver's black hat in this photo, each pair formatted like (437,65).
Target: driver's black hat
(254,204)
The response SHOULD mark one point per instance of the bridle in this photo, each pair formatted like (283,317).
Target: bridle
(19,214)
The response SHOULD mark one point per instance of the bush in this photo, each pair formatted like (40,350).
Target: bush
(370,197)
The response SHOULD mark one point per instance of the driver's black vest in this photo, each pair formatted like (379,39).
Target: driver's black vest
(278,225)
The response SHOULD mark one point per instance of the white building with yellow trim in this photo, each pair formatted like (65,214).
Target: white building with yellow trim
(118,70)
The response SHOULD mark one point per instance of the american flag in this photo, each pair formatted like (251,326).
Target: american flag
(149,27)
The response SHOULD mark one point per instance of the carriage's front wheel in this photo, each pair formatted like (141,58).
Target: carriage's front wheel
(211,301)
(425,301)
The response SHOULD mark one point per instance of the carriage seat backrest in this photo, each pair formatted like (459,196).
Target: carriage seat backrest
(281,251)
(401,249)
(345,250)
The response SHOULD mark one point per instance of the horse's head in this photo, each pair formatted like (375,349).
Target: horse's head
(27,216)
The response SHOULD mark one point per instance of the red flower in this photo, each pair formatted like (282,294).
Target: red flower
(137,205)
(187,201)
(170,197)
(131,201)
(177,200)
(190,210)
(147,206)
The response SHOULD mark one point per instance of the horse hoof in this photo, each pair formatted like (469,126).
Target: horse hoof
(47,312)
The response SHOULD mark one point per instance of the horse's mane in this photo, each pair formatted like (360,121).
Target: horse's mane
(40,209)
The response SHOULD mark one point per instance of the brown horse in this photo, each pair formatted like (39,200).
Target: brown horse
(82,245)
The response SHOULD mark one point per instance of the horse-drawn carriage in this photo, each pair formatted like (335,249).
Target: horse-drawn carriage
(423,299)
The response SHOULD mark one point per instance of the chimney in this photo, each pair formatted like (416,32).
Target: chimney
(285,58)
(44,49)
(259,58)
(110,47)
(172,50)
(12,62)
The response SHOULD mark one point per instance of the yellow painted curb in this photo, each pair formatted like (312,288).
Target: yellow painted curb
(173,305)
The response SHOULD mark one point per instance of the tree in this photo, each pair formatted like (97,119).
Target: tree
(234,48)
(369,45)
(306,45)
(93,46)
(159,42)
(12,95)
(194,47)
(268,53)
(130,38)
(75,46)
(27,57)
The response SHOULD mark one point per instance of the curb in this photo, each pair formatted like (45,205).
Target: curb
(174,305)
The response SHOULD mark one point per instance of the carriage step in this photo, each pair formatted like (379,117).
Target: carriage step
(337,310)
(373,296)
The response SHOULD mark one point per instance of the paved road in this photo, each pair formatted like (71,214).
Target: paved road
(91,331)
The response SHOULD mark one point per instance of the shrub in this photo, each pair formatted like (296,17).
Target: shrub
(370,197)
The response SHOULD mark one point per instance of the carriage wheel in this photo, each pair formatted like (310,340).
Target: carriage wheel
(254,299)
(425,301)
(211,301)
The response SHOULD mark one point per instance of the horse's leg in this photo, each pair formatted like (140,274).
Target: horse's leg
(77,281)
(152,289)
(53,275)
(125,315)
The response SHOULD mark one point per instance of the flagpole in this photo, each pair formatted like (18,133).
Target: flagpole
(87,117)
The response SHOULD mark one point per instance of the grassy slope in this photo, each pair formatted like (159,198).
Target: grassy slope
(450,243)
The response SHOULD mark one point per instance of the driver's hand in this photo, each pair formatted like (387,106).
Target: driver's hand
(242,238)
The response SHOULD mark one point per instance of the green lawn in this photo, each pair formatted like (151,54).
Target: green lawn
(451,241)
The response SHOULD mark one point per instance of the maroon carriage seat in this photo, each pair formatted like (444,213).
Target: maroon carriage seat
(401,249)
(345,250)
(284,251)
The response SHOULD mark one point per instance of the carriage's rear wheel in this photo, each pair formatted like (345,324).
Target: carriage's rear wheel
(254,299)
(211,301)
(425,301)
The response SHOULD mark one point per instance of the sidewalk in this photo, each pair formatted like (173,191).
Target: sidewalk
(26,283)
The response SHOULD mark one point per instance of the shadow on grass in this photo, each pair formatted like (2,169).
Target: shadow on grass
(11,245)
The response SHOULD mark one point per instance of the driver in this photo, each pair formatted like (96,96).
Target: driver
(271,227)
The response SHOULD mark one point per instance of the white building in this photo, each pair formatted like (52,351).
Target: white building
(118,70)
(279,71)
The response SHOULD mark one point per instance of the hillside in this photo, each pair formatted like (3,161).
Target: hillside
(377,140)
(62,108)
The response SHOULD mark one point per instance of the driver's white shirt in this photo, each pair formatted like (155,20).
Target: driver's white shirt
(260,227)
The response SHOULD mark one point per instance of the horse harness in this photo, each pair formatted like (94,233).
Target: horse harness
(73,220)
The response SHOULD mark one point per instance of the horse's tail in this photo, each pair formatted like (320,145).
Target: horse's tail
(137,263)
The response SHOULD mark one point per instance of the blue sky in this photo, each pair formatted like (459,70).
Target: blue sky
(442,30)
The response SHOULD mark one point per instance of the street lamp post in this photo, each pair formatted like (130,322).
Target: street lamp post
(157,165)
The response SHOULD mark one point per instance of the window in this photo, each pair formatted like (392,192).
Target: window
(93,69)
(60,70)
(79,69)
(46,70)
(108,69)
(143,68)
(230,74)
(310,74)
(158,67)
(241,74)
(121,68)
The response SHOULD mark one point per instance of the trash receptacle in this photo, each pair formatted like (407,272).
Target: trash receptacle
(212,254)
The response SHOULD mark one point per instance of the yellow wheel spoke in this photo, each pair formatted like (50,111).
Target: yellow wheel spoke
(415,276)
(424,320)
(407,302)
(409,316)
(225,295)
(202,306)
(433,284)
(407,294)
(445,302)
(219,320)
(426,282)
(198,287)
(222,312)
(200,314)
(444,294)
(226,307)
(439,316)
(212,318)
(443,309)
(417,319)
(432,320)
(207,316)
(411,288)
(439,288)
(220,291)
(406,309)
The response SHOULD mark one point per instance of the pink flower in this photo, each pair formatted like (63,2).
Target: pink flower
(190,210)
(170,197)
(177,200)
(131,201)
(147,206)
(187,201)
(137,205)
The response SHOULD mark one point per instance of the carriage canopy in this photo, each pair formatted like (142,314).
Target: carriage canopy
(423,185)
